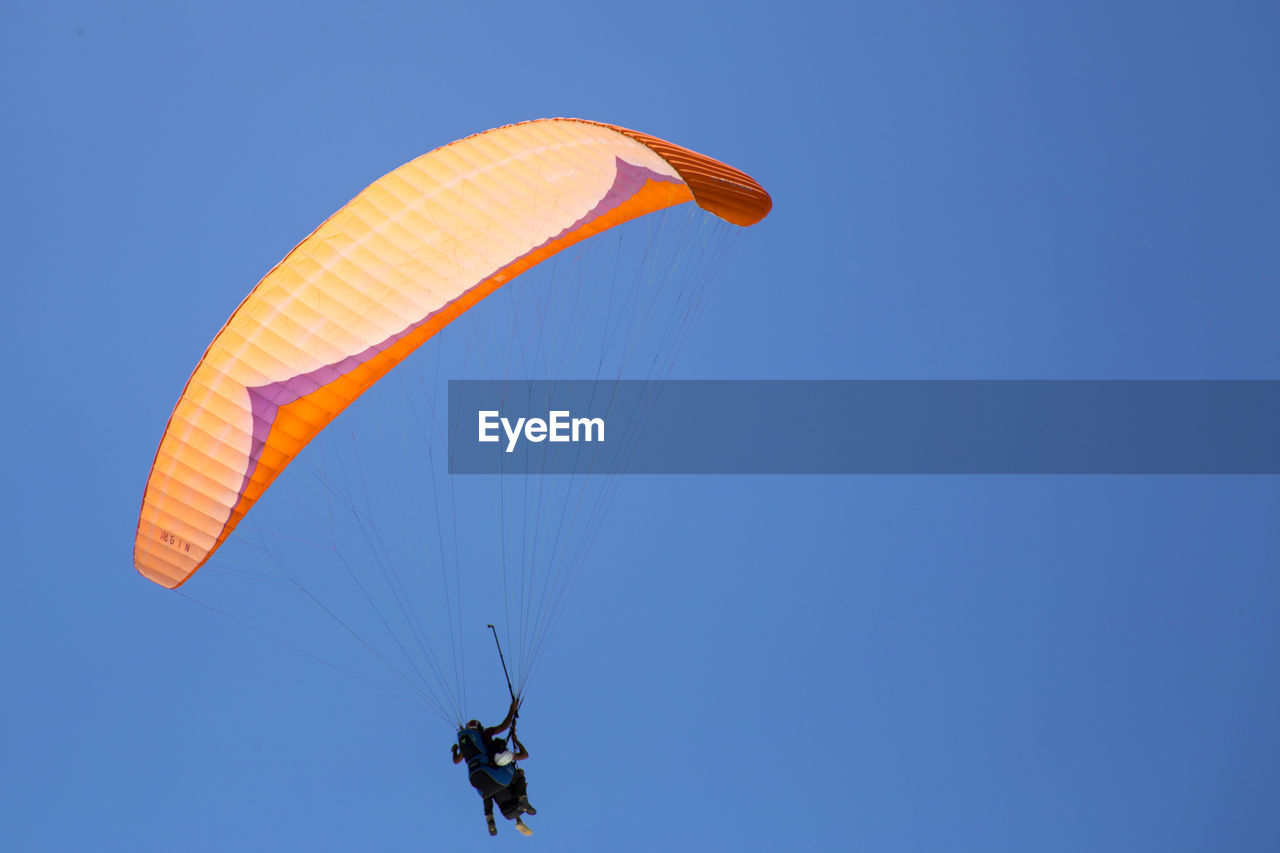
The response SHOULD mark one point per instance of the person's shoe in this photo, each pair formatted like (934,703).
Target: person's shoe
(493,827)
(522,829)
(527,806)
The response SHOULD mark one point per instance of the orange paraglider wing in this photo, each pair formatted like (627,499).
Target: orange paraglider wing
(399,262)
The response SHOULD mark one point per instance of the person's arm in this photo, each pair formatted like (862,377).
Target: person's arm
(457,756)
(505,724)
(521,753)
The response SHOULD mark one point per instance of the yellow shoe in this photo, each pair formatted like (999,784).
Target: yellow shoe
(522,829)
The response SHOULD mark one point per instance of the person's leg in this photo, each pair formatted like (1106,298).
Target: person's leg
(509,803)
(520,788)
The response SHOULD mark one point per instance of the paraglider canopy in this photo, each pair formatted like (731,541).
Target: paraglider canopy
(399,262)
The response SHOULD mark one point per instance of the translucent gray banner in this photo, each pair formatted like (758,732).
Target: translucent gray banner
(865,427)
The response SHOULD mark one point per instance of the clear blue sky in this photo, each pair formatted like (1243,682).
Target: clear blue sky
(982,190)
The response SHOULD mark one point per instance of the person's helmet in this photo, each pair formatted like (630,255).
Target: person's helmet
(472,724)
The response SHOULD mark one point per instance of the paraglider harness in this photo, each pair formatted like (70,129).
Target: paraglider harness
(472,744)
